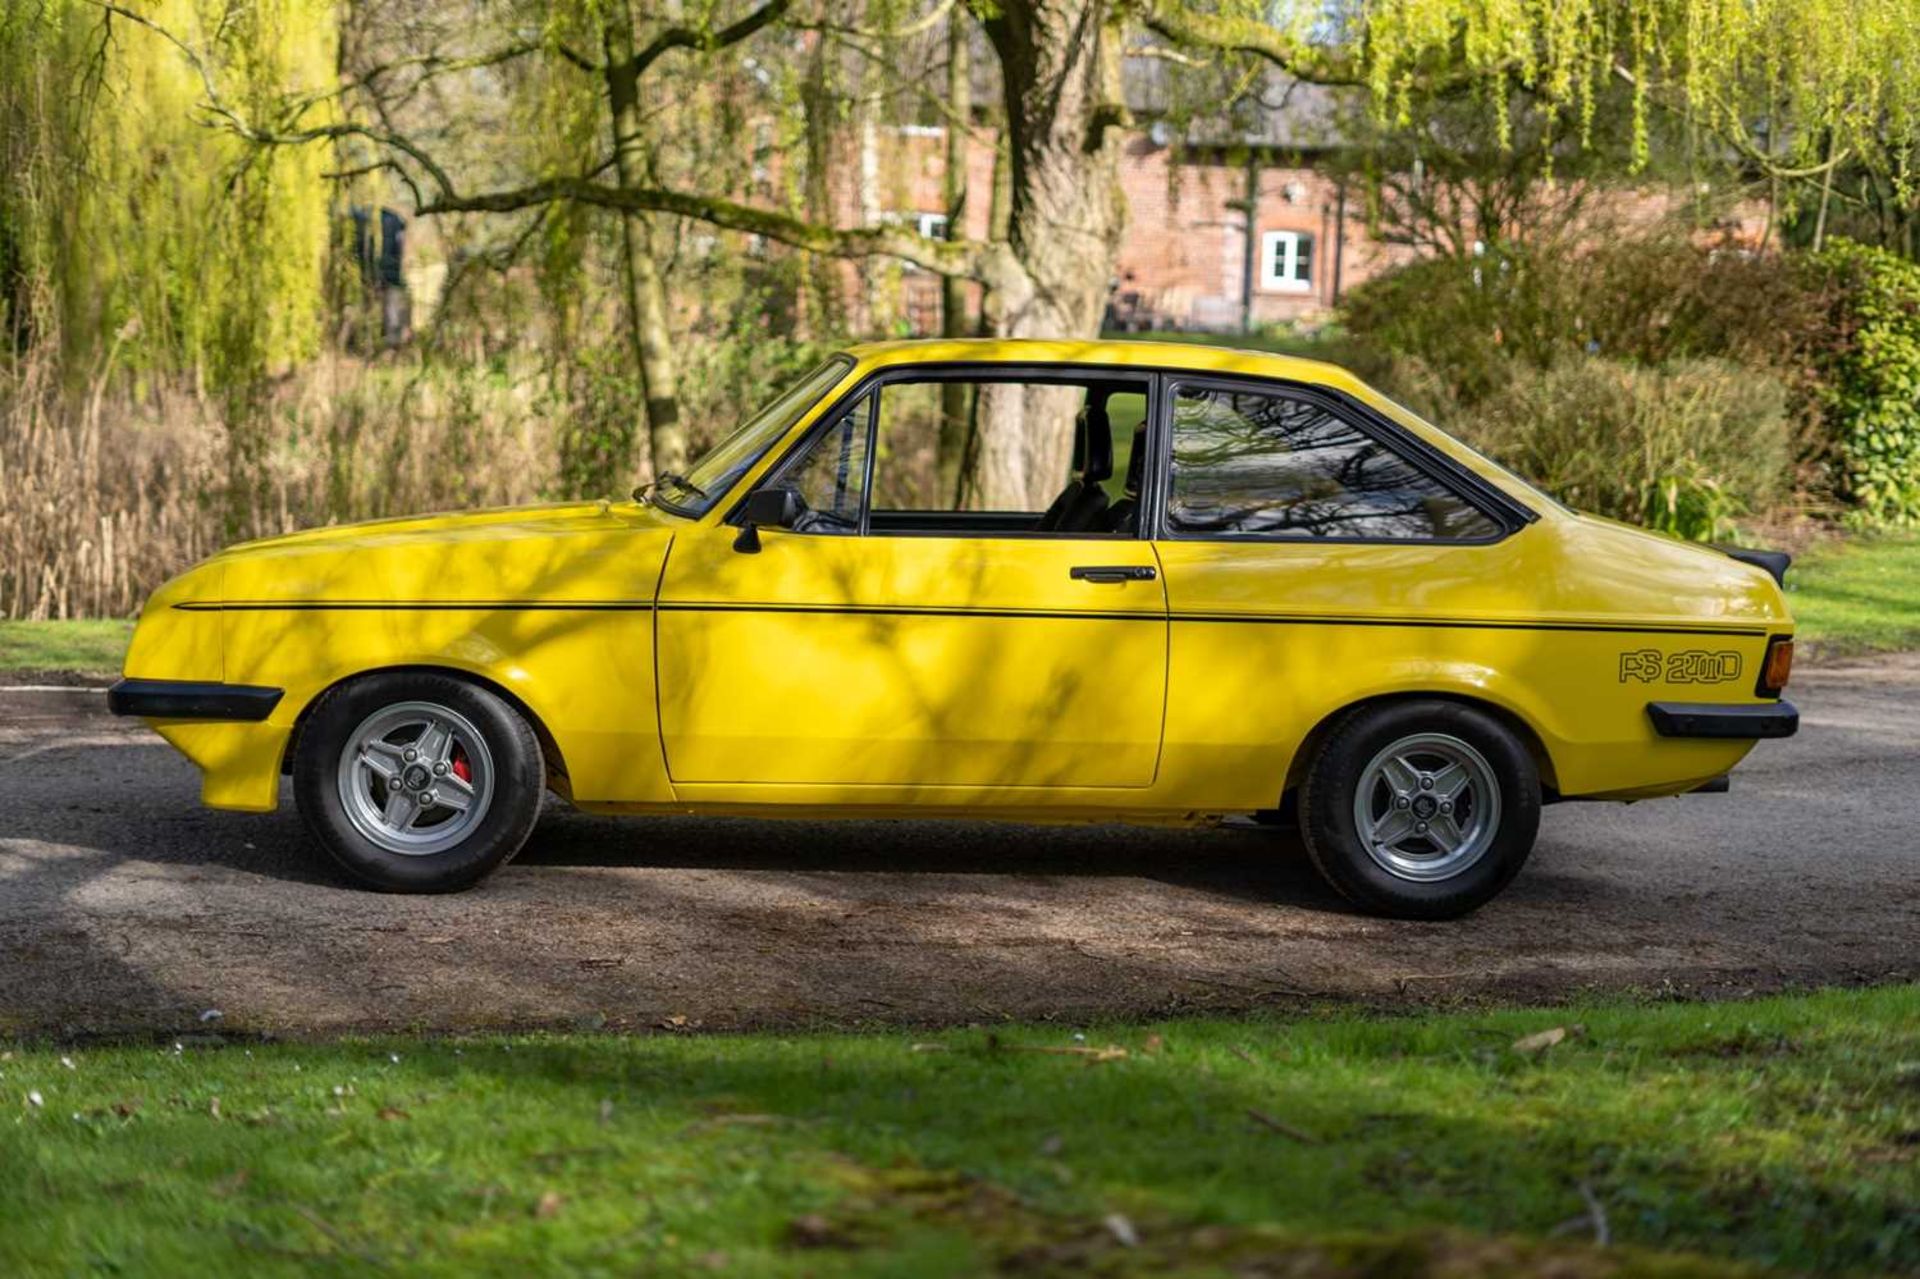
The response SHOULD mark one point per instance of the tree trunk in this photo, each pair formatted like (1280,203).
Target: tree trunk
(659,373)
(1060,64)
(648,331)
(954,399)
(827,310)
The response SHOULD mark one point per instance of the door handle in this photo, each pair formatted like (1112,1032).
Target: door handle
(1112,573)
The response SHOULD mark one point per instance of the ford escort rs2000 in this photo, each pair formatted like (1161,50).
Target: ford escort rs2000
(1171,583)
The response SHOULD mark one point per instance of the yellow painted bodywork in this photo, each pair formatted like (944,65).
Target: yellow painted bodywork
(864,675)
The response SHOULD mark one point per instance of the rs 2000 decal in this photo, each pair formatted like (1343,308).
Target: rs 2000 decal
(1692,666)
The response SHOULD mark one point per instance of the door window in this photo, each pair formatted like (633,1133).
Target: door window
(1079,437)
(1269,464)
(1085,455)
(831,475)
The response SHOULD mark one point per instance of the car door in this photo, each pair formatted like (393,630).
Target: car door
(933,650)
(1309,554)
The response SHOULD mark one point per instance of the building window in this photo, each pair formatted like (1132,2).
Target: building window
(931,225)
(1286,261)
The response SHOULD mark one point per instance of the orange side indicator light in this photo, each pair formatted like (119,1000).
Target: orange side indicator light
(1778,668)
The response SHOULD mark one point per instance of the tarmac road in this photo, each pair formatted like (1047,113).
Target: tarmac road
(125,907)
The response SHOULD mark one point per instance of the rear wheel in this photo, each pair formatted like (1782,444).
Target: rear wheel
(1420,809)
(418,782)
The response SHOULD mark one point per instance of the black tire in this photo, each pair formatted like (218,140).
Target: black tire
(505,741)
(1329,823)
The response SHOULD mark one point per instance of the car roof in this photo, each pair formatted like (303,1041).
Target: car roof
(1103,352)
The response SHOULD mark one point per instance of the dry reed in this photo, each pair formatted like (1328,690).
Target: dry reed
(109,491)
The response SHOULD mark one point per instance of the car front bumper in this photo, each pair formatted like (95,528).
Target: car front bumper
(193,699)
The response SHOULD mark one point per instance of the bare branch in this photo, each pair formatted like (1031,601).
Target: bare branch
(925,22)
(431,65)
(704,38)
(1734,135)
(187,51)
(1161,53)
(934,101)
(966,259)
(379,166)
(1173,20)
(963,258)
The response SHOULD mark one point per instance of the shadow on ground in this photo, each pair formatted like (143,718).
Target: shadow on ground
(125,907)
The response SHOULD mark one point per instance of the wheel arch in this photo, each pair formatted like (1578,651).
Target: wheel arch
(552,759)
(1509,718)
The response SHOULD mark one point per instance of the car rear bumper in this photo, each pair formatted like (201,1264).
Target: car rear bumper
(193,699)
(1709,719)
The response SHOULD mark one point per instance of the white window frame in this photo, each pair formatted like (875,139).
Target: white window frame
(1281,261)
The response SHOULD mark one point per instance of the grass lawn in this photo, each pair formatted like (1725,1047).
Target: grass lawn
(93,647)
(1858,596)
(1709,1139)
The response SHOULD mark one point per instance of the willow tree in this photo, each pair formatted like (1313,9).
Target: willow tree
(1833,78)
(128,227)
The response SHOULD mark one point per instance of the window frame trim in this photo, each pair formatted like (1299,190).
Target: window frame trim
(1507,513)
(1149,380)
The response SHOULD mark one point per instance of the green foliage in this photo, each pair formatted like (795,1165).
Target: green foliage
(133,232)
(1647,299)
(1716,1137)
(1869,359)
(1467,320)
(1662,332)
(1848,71)
(1682,449)
(601,390)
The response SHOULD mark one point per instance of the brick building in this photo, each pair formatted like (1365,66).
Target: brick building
(1188,261)
(1191,257)
(1184,261)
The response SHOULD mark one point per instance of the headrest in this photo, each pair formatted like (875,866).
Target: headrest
(1137,460)
(1097,433)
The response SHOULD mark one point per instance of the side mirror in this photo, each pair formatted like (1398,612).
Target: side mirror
(773,507)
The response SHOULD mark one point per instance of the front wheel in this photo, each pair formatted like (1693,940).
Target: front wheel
(418,782)
(1420,809)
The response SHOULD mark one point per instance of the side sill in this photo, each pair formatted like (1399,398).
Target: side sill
(1708,719)
(191,699)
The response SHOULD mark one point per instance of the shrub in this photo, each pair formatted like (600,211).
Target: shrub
(1463,330)
(1664,297)
(1465,319)
(1868,360)
(1682,449)
(1647,299)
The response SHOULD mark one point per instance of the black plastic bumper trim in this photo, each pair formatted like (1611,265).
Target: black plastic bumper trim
(1707,719)
(189,699)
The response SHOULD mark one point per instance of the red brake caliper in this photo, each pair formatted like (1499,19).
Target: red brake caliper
(462,769)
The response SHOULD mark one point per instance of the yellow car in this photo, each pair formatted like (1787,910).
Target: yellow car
(1195,583)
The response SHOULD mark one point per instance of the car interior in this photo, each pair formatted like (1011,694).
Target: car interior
(1089,503)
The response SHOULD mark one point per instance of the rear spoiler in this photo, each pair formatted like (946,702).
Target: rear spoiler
(1774,562)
